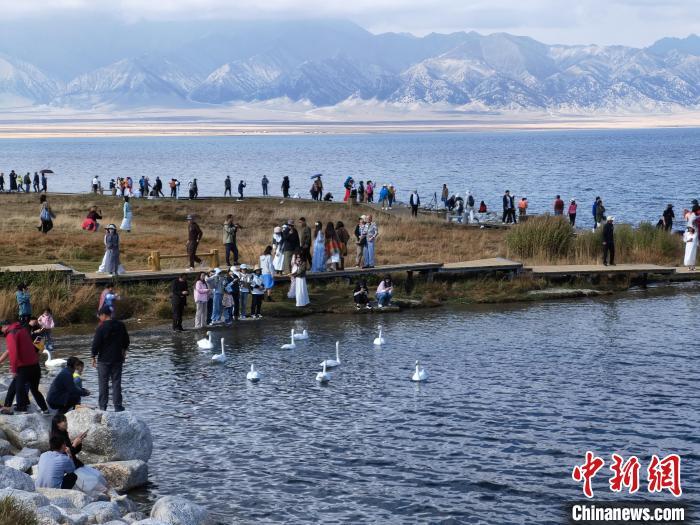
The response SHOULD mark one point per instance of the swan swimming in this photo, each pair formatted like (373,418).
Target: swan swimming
(332,363)
(420,374)
(220,358)
(324,377)
(253,376)
(290,346)
(302,336)
(206,343)
(379,341)
(53,363)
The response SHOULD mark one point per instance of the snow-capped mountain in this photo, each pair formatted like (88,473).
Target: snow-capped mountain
(324,63)
(22,84)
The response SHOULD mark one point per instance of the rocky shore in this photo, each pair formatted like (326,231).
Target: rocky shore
(117,444)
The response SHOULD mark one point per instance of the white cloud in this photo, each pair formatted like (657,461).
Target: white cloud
(634,22)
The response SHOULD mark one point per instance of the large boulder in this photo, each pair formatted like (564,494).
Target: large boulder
(134,516)
(149,521)
(19,463)
(27,430)
(101,511)
(179,511)
(67,499)
(31,453)
(124,475)
(30,499)
(14,479)
(5,447)
(111,436)
(49,515)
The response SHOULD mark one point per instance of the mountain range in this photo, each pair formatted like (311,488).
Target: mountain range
(112,64)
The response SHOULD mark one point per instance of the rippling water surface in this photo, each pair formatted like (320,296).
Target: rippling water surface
(516,396)
(635,171)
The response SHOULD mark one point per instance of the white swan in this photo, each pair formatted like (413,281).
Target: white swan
(220,358)
(253,375)
(290,346)
(206,343)
(379,341)
(420,374)
(332,363)
(53,363)
(302,336)
(324,377)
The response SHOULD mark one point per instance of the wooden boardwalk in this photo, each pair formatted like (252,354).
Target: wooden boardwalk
(482,266)
(579,270)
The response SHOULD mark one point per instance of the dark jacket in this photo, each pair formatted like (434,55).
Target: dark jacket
(63,389)
(609,233)
(194,232)
(508,202)
(110,342)
(305,237)
(291,240)
(179,287)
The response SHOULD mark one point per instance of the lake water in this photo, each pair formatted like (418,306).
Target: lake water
(517,394)
(636,172)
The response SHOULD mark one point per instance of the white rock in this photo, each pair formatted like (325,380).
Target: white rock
(5,447)
(31,453)
(101,511)
(150,521)
(27,430)
(78,519)
(67,499)
(31,499)
(11,478)
(124,475)
(112,436)
(134,516)
(49,514)
(125,506)
(18,463)
(179,511)
(115,522)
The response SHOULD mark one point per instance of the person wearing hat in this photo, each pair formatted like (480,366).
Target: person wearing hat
(290,237)
(109,346)
(572,212)
(110,261)
(216,283)
(257,292)
(360,241)
(194,236)
(244,288)
(668,217)
(371,232)
(384,197)
(609,242)
(277,250)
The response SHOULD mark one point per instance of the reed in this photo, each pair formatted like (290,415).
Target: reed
(14,512)
(546,237)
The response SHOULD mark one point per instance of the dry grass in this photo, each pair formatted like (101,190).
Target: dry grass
(160,225)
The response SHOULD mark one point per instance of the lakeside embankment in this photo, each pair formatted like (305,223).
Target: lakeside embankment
(160,225)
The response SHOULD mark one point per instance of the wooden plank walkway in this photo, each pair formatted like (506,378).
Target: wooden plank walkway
(574,270)
(37,268)
(482,266)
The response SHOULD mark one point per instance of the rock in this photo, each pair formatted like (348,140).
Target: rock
(149,521)
(27,430)
(134,516)
(125,506)
(124,475)
(18,463)
(115,522)
(31,499)
(101,511)
(78,519)
(5,447)
(67,499)
(31,453)
(49,515)
(179,511)
(112,436)
(3,435)
(11,478)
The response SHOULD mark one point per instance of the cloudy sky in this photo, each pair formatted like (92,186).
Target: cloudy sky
(630,22)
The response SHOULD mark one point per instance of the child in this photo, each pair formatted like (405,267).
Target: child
(78,379)
(47,325)
(109,296)
(23,303)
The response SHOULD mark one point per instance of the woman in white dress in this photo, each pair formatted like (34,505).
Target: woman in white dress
(299,268)
(110,261)
(126,222)
(277,250)
(690,238)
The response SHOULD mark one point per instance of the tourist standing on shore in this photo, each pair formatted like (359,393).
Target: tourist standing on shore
(232,293)
(508,208)
(690,238)
(267,271)
(291,244)
(361,192)
(360,242)
(369,190)
(95,181)
(158,187)
(216,283)
(2,182)
(558,205)
(35,182)
(319,259)
(227,186)
(257,293)
(27,182)
(126,221)
(371,233)
(668,217)
(13,181)
(332,252)
(522,208)
(44,183)
(609,242)
(179,301)
(265,181)
(414,201)
(109,346)
(571,212)
(298,275)
(444,195)
(285,187)
(278,250)
(230,230)
(599,212)
(314,190)
(305,239)
(201,297)
(469,207)
(384,197)
(194,236)
(110,261)
(173,188)
(46,216)
(241,186)
(594,212)
(343,238)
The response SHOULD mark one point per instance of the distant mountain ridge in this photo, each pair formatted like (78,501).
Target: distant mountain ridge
(326,63)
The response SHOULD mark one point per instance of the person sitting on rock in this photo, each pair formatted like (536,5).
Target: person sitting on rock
(56,470)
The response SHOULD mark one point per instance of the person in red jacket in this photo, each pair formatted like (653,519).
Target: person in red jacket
(558,206)
(24,366)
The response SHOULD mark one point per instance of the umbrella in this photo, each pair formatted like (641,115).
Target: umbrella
(318,175)
(44,172)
